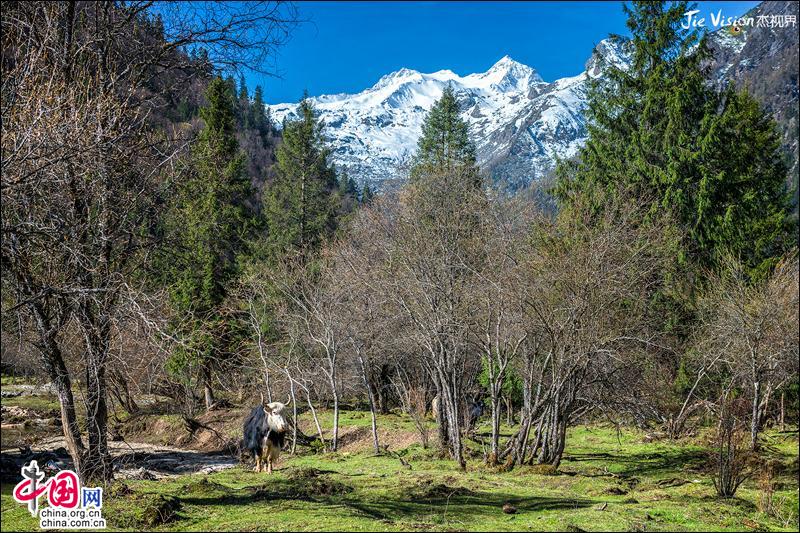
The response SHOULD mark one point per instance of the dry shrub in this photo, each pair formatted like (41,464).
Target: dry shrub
(732,448)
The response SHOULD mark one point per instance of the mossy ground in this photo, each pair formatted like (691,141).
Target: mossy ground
(608,481)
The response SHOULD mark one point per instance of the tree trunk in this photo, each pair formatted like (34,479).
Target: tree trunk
(495,429)
(335,440)
(121,391)
(69,421)
(754,418)
(59,376)
(377,394)
(316,419)
(449,402)
(441,420)
(208,392)
(371,405)
(783,412)
(335,392)
(553,433)
(537,443)
(763,406)
(97,460)
(381,388)
(294,413)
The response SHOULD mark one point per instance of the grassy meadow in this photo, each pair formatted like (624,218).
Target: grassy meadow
(609,480)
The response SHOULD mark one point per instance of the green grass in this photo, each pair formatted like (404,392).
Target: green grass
(35,402)
(660,486)
(5,379)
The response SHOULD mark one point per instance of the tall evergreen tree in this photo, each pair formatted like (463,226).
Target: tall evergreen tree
(300,204)
(244,105)
(259,119)
(211,222)
(712,158)
(347,185)
(366,194)
(445,203)
(243,95)
(445,145)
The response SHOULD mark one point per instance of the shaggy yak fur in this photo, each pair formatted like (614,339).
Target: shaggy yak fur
(264,433)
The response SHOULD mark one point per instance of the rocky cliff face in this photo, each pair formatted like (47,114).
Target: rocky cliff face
(764,59)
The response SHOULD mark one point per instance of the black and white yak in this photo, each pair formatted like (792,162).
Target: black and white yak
(264,434)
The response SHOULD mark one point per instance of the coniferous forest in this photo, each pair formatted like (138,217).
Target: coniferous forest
(615,348)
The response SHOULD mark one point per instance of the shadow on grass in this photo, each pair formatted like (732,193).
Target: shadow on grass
(465,504)
(476,505)
(648,464)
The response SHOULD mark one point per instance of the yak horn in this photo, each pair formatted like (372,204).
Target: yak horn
(289,401)
(262,398)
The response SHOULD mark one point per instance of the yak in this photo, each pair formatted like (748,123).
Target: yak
(474,410)
(264,434)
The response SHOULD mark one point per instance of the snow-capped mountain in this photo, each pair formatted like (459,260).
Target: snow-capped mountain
(522,124)
(519,122)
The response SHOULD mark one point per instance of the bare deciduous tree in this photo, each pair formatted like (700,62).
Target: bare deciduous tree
(752,328)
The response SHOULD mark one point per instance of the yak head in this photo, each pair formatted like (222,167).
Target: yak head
(273,412)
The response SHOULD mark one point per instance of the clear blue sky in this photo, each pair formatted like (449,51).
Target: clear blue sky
(348,46)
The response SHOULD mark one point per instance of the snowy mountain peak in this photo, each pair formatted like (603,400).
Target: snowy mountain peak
(508,74)
(505,65)
(396,77)
(520,124)
(505,60)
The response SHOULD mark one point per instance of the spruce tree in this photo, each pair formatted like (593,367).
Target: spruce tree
(366,194)
(347,185)
(444,173)
(244,105)
(300,204)
(445,145)
(661,130)
(258,117)
(210,222)
(445,205)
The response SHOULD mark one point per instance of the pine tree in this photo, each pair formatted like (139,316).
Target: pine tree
(211,223)
(366,194)
(243,89)
(742,205)
(244,105)
(258,117)
(659,129)
(347,185)
(445,203)
(300,204)
(445,145)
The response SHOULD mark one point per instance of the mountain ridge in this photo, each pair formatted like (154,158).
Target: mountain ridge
(374,132)
(522,124)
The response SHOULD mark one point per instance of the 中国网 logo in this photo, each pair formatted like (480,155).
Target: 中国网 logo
(70,505)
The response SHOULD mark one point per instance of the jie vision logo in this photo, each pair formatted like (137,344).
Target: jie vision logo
(718,20)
